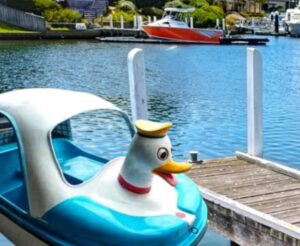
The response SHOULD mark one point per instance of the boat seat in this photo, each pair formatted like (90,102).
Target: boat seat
(76,164)
(10,167)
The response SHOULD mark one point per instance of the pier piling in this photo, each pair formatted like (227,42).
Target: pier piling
(137,84)
(254,102)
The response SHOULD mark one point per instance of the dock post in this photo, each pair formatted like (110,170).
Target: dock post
(276,22)
(149,19)
(137,84)
(154,18)
(111,24)
(134,22)
(122,21)
(254,102)
(186,20)
(223,25)
(140,22)
(191,22)
(217,23)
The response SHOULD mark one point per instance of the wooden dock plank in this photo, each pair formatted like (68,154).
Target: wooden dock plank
(256,202)
(277,204)
(267,197)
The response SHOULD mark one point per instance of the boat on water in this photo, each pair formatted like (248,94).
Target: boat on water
(173,27)
(54,192)
(292,21)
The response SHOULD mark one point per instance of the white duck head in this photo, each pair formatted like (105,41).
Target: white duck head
(149,152)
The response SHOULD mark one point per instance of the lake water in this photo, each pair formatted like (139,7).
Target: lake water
(201,89)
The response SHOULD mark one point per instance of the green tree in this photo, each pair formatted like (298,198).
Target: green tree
(206,16)
(175,4)
(42,5)
(62,15)
(124,5)
(198,3)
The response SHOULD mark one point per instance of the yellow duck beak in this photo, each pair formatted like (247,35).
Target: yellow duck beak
(170,167)
(173,167)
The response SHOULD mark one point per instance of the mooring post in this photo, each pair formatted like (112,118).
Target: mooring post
(149,19)
(137,84)
(223,25)
(217,23)
(111,24)
(154,18)
(122,21)
(134,22)
(276,22)
(254,102)
(101,20)
(140,22)
(191,22)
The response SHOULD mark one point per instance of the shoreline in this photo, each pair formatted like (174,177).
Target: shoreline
(72,34)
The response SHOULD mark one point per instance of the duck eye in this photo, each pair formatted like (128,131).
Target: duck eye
(162,154)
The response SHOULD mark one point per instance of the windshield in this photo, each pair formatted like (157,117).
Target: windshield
(174,15)
(85,143)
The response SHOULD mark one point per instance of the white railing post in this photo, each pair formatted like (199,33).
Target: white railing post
(254,102)
(137,84)
(111,24)
(154,18)
(122,21)
(191,22)
(149,19)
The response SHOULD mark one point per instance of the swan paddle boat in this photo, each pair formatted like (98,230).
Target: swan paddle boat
(53,192)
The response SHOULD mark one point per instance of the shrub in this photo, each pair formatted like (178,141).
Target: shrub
(128,16)
(198,3)
(42,5)
(126,6)
(152,11)
(175,4)
(207,15)
(62,15)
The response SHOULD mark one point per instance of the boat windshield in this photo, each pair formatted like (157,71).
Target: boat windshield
(84,143)
(296,16)
(178,16)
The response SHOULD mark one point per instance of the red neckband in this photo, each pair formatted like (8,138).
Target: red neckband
(132,188)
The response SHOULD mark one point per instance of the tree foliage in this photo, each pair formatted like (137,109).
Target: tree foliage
(175,4)
(206,16)
(124,5)
(62,15)
(42,5)
(198,3)
(152,11)
(53,12)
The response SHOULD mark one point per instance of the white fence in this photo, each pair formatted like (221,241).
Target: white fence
(22,19)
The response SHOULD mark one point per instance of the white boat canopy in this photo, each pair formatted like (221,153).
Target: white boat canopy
(34,113)
(43,109)
(179,10)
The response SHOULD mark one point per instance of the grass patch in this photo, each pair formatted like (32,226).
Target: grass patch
(7,28)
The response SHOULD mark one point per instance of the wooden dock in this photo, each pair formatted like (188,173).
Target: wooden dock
(223,41)
(251,201)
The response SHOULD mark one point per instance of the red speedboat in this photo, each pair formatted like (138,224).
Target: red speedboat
(172,27)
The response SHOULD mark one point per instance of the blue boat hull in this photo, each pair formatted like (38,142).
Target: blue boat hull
(82,221)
